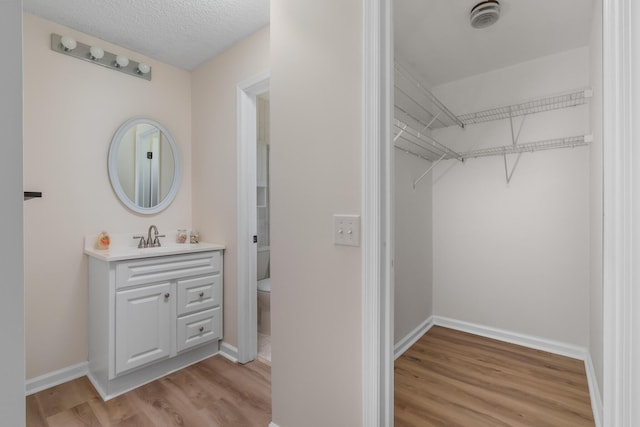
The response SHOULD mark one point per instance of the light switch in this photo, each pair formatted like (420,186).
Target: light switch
(346,230)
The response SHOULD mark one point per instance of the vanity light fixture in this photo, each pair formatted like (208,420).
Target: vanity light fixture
(96,55)
(96,52)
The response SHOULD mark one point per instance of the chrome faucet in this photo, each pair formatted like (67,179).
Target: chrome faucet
(156,241)
(148,243)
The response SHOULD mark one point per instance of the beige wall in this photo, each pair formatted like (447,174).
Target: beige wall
(214,154)
(316,121)
(516,256)
(596,343)
(413,285)
(72,108)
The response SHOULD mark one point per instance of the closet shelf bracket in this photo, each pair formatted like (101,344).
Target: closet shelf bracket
(516,137)
(433,165)
(508,174)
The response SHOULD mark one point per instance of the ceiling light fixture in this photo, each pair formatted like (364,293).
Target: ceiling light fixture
(485,14)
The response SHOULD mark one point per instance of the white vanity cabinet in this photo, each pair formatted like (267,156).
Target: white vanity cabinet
(151,316)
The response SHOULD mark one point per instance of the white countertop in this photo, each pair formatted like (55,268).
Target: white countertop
(124,246)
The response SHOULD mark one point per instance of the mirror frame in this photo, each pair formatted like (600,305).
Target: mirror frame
(113,167)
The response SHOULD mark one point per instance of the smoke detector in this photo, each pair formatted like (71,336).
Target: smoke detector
(485,14)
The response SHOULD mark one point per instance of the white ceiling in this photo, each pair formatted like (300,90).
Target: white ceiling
(184,33)
(435,38)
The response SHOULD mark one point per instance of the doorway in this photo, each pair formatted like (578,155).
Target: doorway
(247,233)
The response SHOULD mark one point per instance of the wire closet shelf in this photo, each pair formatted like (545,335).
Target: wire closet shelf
(418,111)
(540,105)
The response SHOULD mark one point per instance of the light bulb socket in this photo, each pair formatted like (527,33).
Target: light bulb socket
(121,61)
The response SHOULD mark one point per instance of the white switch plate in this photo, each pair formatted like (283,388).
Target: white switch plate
(346,230)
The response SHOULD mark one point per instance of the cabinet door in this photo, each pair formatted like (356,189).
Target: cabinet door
(143,325)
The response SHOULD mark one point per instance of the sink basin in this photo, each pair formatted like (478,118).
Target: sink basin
(122,248)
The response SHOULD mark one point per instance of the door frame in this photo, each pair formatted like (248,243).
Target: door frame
(621,240)
(246,93)
(621,247)
(377,215)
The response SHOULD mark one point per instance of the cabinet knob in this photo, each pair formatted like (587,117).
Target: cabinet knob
(201,294)
(167,295)
(201,328)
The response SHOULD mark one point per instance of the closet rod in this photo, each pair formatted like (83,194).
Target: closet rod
(549,144)
(426,139)
(404,72)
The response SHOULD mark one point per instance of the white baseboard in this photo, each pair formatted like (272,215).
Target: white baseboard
(594,391)
(55,378)
(557,347)
(229,352)
(272,424)
(412,337)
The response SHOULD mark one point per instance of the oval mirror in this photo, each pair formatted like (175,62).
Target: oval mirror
(144,166)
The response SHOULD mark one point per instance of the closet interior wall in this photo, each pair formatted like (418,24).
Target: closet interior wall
(413,298)
(413,261)
(509,254)
(515,256)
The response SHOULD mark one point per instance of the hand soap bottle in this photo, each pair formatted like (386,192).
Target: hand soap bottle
(103,241)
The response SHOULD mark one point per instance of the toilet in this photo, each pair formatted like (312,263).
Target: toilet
(264,292)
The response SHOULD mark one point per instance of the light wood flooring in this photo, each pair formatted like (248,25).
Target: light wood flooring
(451,378)
(212,393)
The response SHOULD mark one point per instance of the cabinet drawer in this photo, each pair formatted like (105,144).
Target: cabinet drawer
(198,294)
(195,329)
(141,271)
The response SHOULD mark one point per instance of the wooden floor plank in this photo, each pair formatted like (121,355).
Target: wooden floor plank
(451,378)
(79,416)
(165,406)
(35,417)
(65,396)
(212,393)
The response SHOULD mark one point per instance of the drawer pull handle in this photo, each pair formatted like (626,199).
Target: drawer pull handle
(201,328)
(201,294)
(167,295)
